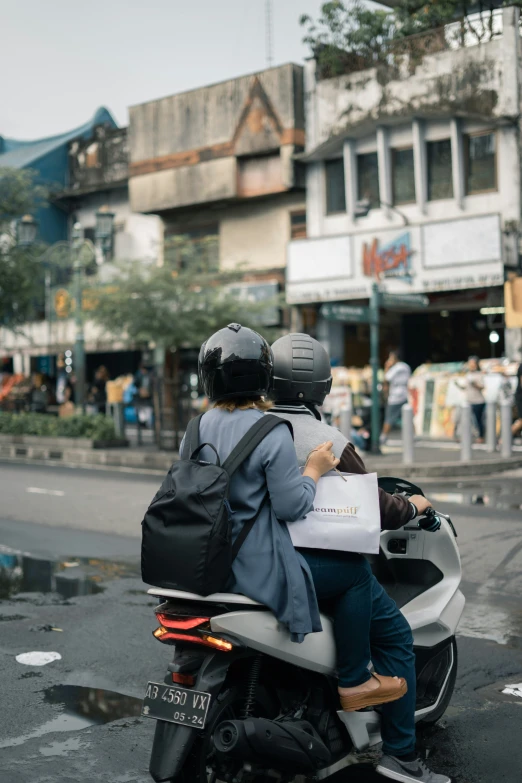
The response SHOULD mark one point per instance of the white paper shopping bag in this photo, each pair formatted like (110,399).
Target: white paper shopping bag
(345,517)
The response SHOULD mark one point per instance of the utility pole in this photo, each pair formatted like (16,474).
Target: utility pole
(374,364)
(79,344)
(269,33)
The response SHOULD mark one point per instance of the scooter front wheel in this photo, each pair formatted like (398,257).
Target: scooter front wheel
(443,705)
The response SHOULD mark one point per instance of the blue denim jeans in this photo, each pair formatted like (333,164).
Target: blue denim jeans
(368,626)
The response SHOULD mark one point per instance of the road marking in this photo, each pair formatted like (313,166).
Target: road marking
(42,491)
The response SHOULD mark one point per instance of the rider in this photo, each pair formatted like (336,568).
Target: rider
(302,379)
(236,371)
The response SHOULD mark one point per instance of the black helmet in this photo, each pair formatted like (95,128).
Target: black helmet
(235,362)
(302,371)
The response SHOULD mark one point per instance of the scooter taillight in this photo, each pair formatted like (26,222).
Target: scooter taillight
(181,623)
(188,629)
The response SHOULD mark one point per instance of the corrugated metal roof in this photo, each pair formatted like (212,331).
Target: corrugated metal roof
(22,154)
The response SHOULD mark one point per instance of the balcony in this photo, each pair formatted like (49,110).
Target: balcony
(98,162)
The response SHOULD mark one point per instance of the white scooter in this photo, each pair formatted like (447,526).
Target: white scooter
(241,700)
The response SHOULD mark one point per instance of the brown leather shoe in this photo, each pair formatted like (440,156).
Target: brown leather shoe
(390,689)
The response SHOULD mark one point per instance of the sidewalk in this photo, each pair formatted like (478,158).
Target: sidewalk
(431,460)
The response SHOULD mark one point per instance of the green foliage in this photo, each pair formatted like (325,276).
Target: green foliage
(170,308)
(420,16)
(349,37)
(348,34)
(21,273)
(92,427)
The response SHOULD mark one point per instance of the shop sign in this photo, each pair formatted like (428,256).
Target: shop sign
(404,300)
(345,313)
(392,259)
(63,303)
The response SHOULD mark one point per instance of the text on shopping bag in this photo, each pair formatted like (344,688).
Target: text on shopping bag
(345,516)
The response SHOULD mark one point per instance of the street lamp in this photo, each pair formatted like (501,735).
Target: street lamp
(363,206)
(26,231)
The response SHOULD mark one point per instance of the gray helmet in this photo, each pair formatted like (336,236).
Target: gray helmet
(302,371)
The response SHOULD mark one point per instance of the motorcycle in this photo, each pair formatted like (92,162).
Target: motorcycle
(241,700)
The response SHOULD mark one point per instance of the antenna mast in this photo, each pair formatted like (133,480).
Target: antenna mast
(269,33)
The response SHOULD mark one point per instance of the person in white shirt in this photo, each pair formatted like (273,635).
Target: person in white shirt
(397,374)
(473,385)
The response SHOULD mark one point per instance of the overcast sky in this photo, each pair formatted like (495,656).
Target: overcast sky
(60,60)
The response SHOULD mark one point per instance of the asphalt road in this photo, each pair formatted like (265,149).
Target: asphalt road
(90,520)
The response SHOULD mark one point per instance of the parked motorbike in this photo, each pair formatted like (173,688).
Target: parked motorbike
(241,700)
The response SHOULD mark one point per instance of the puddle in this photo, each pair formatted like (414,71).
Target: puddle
(96,704)
(81,708)
(21,573)
(61,748)
(486,621)
(499,496)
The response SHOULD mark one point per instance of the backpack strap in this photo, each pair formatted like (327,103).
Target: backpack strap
(191,437)
(251,440)
(239,454)
(245,530)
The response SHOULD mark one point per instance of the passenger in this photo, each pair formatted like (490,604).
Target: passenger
(302,379)
(236,369)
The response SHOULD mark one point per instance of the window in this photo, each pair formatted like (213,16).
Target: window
(335,193)
(368,179)
(403,172)
(440,176)
(196,250)
(298,224)
(92,267)
(481,162)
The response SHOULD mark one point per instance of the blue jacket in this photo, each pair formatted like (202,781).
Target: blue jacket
(267,568)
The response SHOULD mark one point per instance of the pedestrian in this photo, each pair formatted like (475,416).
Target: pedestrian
(143,401)
(517,425)
(297,396)
(396,375)
(98,392)
(473,385)
(236,368)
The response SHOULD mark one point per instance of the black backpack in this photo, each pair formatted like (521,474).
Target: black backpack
(187,529)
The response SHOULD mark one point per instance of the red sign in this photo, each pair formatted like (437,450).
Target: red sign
(392,260)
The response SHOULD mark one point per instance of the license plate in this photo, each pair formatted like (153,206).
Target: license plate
(176,705)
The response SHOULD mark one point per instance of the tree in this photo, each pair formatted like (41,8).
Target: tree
(348,36)
(21,277)
(172,309)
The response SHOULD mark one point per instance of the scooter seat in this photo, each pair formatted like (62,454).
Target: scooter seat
(216,598)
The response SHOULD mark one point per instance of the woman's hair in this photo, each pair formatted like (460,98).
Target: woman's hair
(240,404)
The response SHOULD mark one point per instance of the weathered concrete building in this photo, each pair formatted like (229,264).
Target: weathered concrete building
(413,179)
(217,164)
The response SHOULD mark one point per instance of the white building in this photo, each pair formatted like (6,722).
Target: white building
(432,143)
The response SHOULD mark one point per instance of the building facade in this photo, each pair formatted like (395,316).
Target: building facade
(413,181)
(217,165)
(94,180)
(49,158)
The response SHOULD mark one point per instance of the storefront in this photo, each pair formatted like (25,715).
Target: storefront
(456,264)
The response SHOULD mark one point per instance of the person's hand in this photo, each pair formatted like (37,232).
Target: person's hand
(320,461)
(420,502)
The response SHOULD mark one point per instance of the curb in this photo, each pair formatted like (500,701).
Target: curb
(110,458)
(160,462)
(479,467)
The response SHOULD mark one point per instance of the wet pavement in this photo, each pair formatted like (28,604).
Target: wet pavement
(73,588)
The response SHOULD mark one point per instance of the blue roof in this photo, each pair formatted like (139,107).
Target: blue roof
(24,154)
